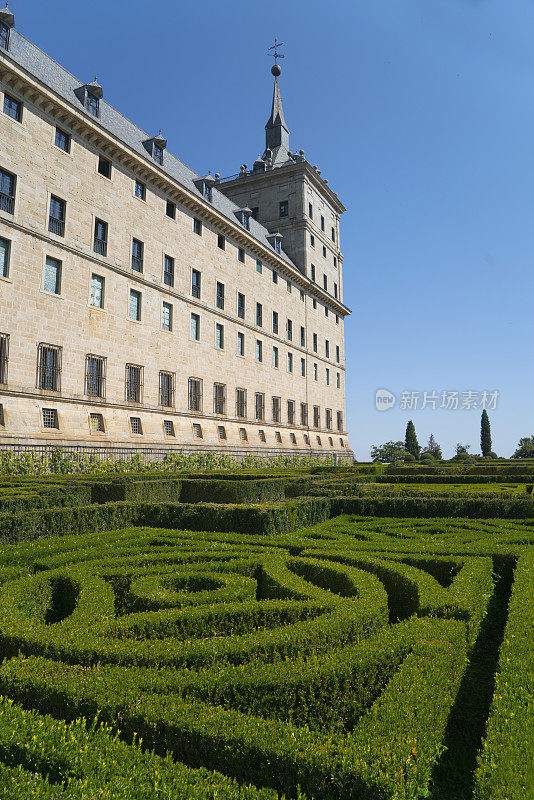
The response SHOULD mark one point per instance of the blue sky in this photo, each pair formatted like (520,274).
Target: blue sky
(421,115)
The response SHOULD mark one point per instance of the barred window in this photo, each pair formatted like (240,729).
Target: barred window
(260,406)
(5,249)
(195,394)
(134,383)
(137,255)
(4,357)
(197,431)
(240,305)
(168,427)
(259,315)
(292,438)
(49,367)
(136,426)
(241,403)
(219,300)
(330,441)
(276,409)
(97,291)
(290,412)
(56,219)
(166,389)
(221,431)
(50,418)
(278,437)
(304,414)
(328,422)
(7,191)
(196,282)
(166,316)
(96,423)
(319,442)
(219,398)
(95,376)
(168,271)
(316,416)
(52,276)
(261,435)
(243,434)
(340,420)
(100,244)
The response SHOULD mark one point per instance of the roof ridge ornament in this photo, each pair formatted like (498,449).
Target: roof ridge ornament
(6,17)
(276,130)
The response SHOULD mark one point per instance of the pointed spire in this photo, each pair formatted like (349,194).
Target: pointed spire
(276,130)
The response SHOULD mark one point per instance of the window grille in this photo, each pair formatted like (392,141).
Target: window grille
(95,376)
(261,435)
(290,412)
(220,295)
(166,389)
(56,220)
(219,398)
(168,427)
(136,426)
(221,430)
(134,383)
(100,244)
(276,409)
(196,279)
(7,191)
(241,403)
(197,431)
(195,394)
(260,406)
(50,418)
(4,357)
(49,367)
(328,414)
(96,423)
(243,434)
(304,414)
(137,255)
(316,416)
(340,420)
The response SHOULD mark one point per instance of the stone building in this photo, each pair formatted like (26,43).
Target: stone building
(143,305)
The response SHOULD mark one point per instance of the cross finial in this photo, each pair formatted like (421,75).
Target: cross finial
(276,55)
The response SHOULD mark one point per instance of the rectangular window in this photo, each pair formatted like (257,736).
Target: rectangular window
(327,348)
(335,290)
(12,107)
(315,372)
(136,427)
(259,267)
(326,311)
(104,166)
(4,36)
(302,336)
(7,191)
(56,219)
(325,283)
(316,416)
(313,272)
(314,342)
(328,420)
(158,154)
(306,439)
(338,380)
(52,276)
(340,420)
(302,295)
(140,190)
(221,430)
(335,261)
(4,358)
(310,210)
(275,322)
(62,140)
(170,209)
(259,315)
(241,255)
(275,276)
(219,399)
(166,389)
(197,430)
(327,377)
(290,362)
(243,434)
(5,250)
(337,353)
(197,226)
(261,436)
(290,412)
(333,235)
(195,394)
(241,403)
(50,418)
(195,327)
(304,414)
(100,244)
(134,308)
(303,367)
(322,222)
(168,427)
(259,350)
(324,251)
(49,367)
(92,103)
(278,437)
(219,336)
(337,320)
(314,302)
(275,357)
(96,423)
(318,438)
(284,208)
(137,255)
(166,316)
(276,409)
(168,271)
(219,300)
(240,305)
(97,291)
(260,406)
(240,344)
(221,242)
(95,376)
(133,384)
(312,240)
(196,283)
(289,286)
(289,330)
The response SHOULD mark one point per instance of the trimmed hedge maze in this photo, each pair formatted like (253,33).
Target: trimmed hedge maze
(359,658)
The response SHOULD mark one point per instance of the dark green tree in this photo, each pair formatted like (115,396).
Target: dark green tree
(525,448)
(485,434)
(388,452)
(433,449)
(410,443)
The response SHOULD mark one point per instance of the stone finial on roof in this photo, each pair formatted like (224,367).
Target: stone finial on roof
(7,17)
(276,130)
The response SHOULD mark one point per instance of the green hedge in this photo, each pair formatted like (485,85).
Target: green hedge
(233,491)
(501,508)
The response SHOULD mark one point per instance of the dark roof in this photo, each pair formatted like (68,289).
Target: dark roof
(32,59)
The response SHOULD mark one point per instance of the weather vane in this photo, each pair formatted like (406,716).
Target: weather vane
(275,69)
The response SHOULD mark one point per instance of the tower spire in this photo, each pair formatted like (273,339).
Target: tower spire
(276,130)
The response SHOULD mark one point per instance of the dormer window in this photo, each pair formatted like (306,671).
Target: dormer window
(7,20)
(207,191)
(275,240)
(92,104)
(205,186)
(243,216)
(155,147)
(90,95)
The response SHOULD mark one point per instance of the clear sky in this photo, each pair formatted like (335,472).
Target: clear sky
(421,115)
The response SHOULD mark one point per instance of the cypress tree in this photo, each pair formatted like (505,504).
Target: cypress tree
(485,434)
(411,444)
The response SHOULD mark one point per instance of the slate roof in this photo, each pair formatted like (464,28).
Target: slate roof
(34,61)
